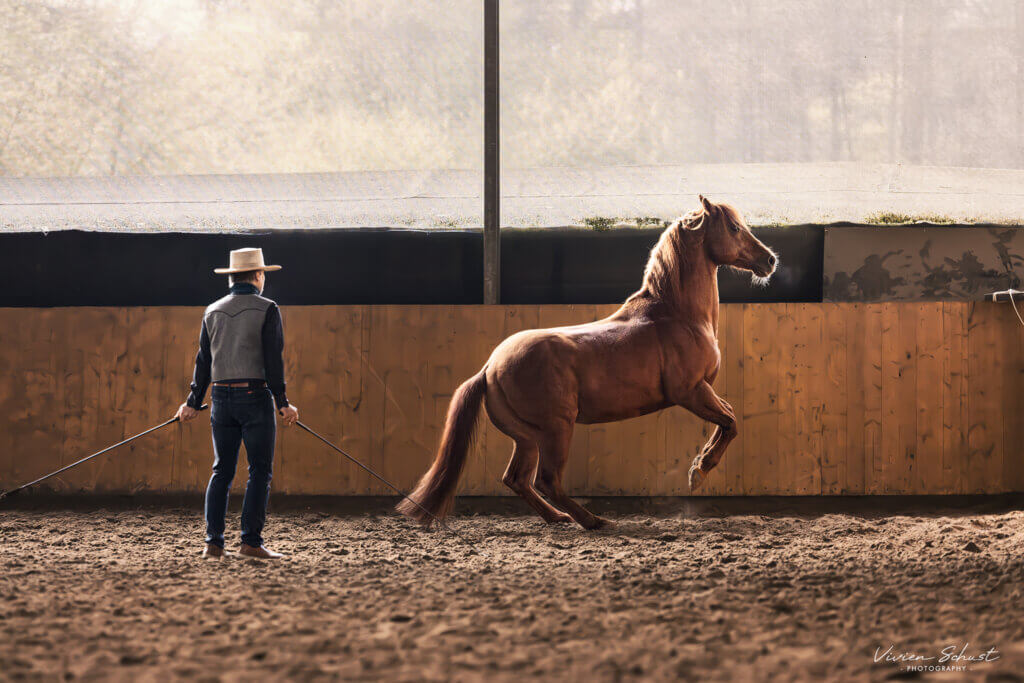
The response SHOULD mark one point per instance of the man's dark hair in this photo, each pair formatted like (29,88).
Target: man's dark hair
(247,276)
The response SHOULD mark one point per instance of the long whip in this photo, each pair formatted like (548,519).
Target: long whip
(394,488)
(5,494)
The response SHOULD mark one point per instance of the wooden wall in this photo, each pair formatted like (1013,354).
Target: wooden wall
(906,398)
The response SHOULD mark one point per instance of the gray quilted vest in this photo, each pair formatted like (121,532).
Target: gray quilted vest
(235,326)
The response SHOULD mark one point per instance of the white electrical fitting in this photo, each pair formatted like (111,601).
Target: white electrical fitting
(1012,295)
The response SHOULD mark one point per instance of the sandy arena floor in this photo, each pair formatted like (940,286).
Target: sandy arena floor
(679,591)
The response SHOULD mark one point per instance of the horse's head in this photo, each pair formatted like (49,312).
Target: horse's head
(729,242)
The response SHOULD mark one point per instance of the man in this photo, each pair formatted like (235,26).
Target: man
(240,351)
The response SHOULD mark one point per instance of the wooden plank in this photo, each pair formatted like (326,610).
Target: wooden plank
(996,467)
(809,368)
(307,363)
(346,393)
(1013,402)
(140,390)
(899,391)
(362,431)
(142,342)
(891,369)
(985,377)
(787,337)
(98,430)
(191,460)
(871,368)
(29,444)
(403,365)
(397,363)
(931,345)
(372,411)
(168,348)
(12,463)
(760,399)
(856,457)
(999,364)
(954,397)
(72,369)
(48,438)
(121,465)
(42,389)
(906,401)
(834,398)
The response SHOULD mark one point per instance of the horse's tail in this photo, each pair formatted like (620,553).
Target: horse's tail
(435,492)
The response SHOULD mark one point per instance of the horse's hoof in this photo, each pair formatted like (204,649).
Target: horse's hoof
(561,519)
(697,478)
(600,523)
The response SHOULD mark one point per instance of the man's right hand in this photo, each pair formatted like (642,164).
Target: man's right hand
(186,412)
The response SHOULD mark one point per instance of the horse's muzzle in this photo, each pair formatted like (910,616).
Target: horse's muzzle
(766,266)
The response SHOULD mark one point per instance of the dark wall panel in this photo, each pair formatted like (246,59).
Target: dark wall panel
(368,266)
(587,267)
(76,268)
(922,263)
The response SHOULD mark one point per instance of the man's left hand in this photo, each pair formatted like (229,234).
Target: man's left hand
(289,414)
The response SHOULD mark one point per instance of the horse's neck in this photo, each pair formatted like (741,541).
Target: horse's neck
(691,295)
(696,298)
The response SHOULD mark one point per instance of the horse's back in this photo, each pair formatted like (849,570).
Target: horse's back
(569,343)
(596,372)
(531,348)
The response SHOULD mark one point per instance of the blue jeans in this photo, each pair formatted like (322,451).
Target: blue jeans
(241,414)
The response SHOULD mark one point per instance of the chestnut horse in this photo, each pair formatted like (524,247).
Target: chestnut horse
(659,349)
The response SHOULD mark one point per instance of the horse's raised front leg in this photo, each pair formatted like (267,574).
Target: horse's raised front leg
(554,454)
(705,403)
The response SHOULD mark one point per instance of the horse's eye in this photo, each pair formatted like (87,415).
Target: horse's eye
(734,227)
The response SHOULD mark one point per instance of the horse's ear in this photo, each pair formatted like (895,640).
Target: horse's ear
(692,222)
(706,203)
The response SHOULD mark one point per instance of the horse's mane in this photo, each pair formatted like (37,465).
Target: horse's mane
(668,259)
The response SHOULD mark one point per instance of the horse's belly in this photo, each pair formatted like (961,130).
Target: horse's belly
(598,414)
(620,382)
(619,396)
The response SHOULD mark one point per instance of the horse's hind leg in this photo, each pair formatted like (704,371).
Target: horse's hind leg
(519,476)
(554,454)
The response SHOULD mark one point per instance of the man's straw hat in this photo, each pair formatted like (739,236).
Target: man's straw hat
(244,260)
